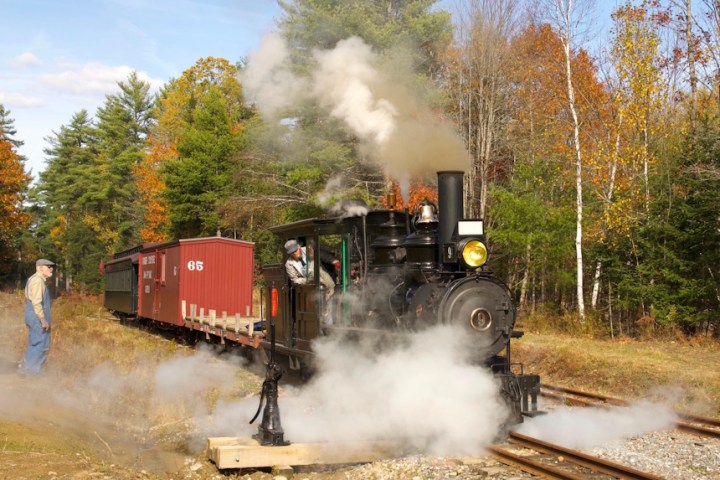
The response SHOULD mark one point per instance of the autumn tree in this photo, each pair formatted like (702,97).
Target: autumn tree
(476,71)
(623,160)
(185,176)
(567,18)
(418,194)
(543,175)
(635,51)
(150,187)
(14,182)
(709,35)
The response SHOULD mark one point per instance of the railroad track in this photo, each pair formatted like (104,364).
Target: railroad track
(709,427)
(553,461)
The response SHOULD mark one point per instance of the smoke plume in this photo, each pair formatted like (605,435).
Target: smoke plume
(397,131)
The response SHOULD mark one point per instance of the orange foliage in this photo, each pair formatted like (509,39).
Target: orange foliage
(538,74)
(58,231)
(150,188)
(419,192)
(173,113)
(13,182)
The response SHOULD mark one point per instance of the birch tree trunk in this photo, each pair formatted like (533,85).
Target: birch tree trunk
(526,276)
(608,202)
(564,9)
(690,39)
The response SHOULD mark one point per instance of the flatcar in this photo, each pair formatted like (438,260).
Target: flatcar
(393,273)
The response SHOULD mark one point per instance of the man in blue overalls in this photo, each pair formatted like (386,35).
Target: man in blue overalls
(37,318)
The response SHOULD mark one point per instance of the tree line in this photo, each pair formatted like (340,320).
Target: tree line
(597,173)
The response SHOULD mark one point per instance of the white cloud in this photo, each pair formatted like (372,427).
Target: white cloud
(26,59)
(92,78)
(19,100)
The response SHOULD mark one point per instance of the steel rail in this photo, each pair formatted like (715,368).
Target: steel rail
(580,393)
(688,423)
(697,429)
(588,461)
(526,464)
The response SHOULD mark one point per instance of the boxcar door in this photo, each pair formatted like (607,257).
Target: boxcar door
(159,283)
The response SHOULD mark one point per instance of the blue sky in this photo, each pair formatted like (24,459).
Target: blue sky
(59,57)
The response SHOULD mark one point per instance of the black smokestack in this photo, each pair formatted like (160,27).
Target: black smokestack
(450,198)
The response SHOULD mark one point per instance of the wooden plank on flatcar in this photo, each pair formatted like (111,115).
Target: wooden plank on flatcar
(229,452)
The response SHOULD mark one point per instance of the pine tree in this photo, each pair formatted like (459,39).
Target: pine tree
(7,128)
(67,198)
(200,178)
(123,125)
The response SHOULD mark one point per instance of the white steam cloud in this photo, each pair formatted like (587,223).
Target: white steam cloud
(268,79)
(129,415)
(589,427)
(424,394)
(344,82)
(397,131)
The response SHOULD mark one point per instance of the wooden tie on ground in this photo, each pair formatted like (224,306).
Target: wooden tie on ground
(235,452)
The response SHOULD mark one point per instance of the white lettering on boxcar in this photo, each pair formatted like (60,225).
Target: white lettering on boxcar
(196,265)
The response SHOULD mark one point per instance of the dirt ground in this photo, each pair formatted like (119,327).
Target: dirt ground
(51,431)
(53,428)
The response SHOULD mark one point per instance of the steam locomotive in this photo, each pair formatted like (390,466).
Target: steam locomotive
(392,272)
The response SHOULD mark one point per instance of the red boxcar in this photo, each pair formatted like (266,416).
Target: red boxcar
(212,273)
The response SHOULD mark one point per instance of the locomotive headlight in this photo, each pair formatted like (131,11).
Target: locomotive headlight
(474,253)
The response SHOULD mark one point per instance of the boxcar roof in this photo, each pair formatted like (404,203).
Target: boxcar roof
(126,258)
(184,241)
(133,250)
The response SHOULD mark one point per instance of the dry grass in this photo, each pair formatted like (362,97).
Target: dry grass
(684,370)
(88,342)
(111,368)
(108,373)
(86,336)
